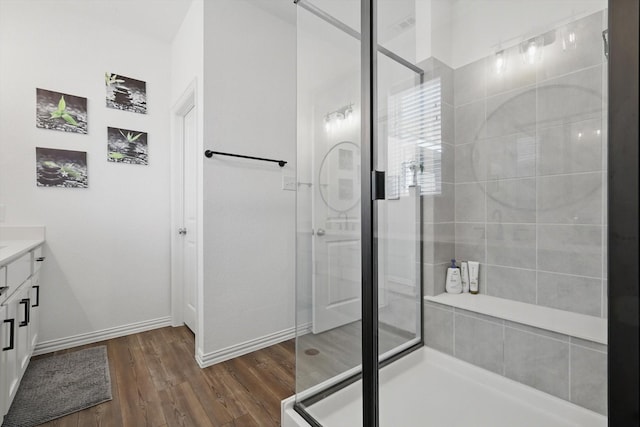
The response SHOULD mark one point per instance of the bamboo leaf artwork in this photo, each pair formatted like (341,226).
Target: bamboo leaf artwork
(111,79)
(67,118)
(116,156)
(61,113)
(130,137)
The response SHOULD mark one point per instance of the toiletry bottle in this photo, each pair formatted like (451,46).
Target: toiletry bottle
(464,275)
(453,284)
(474,273)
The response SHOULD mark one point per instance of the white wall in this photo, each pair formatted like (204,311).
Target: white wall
(108,245)
(480,26)
(249,221)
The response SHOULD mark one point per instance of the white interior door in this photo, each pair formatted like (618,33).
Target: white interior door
(189,229)
(337,269)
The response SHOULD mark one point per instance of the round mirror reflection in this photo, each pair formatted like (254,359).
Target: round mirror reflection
(339,177)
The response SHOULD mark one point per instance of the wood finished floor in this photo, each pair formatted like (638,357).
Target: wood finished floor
(156,382)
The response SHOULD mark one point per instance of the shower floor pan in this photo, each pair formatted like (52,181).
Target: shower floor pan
(429,388)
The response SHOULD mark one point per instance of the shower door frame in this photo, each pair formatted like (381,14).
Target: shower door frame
(623,238)
(623,224)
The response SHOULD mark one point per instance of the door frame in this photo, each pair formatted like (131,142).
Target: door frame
(185,103)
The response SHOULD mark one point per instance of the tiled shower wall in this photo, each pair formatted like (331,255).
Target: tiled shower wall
(438,210)
(567,367)
(530,171)
(524,193)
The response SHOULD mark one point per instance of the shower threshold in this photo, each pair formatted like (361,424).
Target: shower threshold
(431,388)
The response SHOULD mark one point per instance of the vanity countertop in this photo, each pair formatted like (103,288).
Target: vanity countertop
(17,240)
(13,249)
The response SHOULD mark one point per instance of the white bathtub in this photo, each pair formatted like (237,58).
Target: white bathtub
(429,388)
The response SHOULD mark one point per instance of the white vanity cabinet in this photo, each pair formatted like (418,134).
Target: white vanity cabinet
(19,314)
(5,332)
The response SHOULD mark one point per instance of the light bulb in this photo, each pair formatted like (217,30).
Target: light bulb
(531,50)
(531,53)
(349,115)
(500,62)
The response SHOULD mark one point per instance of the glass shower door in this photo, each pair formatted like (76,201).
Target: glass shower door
(328,345)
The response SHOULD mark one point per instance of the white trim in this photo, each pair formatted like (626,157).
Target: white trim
(101,335)
(186,102)
(209,359)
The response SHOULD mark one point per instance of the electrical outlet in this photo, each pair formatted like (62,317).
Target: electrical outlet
(289,183)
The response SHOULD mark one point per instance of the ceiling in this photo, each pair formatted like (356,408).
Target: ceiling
(158,19)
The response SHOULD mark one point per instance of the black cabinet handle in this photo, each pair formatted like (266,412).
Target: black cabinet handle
(40,259)
(12,332)
(37,303)
(27,308)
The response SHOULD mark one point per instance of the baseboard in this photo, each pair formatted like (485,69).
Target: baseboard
(97,336)
(208,359)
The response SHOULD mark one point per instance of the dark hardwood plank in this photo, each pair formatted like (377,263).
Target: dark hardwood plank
(156,382)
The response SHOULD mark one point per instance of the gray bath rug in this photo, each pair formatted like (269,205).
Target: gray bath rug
(56,386)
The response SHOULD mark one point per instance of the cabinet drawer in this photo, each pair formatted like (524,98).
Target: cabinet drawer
(4,292)
(38,258)
(18,271)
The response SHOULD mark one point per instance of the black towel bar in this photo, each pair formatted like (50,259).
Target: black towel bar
(210,153)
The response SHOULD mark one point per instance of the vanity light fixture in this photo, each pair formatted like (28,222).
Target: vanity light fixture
(335,119)
(531,50)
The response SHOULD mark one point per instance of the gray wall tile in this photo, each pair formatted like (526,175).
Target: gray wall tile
(448,124)
(511,245)
(571,98)
(511,283)
(515,75)
(438,242)
(537,331)
(571,147)
(571,293)
(433,278)
(512,156)
(537,361)
(479,342)
(511,112)
(433,68)
(470,242)
(447,163)
(570,249)
(470,162)
(561,58)
(438,328)
(511,200)
(470,122)
(469,83)
(479,316)
(589,379)
(439,207)
(570,199)
(470,202)
(589,344)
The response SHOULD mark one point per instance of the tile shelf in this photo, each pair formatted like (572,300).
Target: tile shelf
(564,322)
